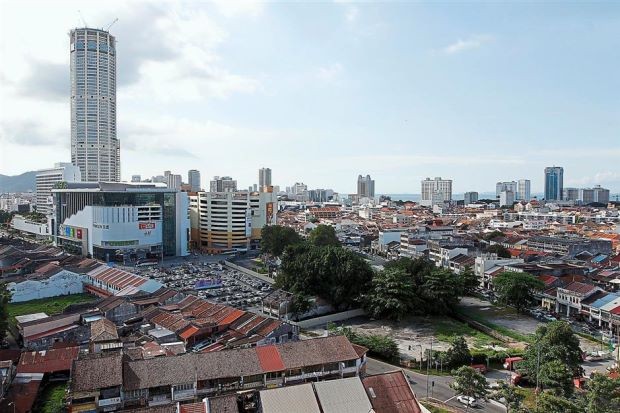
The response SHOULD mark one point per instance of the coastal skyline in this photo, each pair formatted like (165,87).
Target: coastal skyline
(475,93)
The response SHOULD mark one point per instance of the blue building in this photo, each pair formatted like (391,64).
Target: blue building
(554,183)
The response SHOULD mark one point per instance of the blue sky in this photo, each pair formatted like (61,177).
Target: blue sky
(323,91)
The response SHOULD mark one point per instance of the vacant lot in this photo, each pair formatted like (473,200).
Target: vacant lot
(49,306)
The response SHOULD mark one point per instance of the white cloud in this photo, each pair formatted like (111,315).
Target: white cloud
(232,8)
(330,72)
(351,14)
(470,43)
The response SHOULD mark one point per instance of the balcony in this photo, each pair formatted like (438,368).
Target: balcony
(178,395)
(109,402)
(159,400)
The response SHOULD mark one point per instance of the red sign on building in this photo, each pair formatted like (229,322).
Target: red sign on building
(146,225)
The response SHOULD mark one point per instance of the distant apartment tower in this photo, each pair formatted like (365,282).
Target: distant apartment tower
(470,197)
(174,181)
(95,149)
(523,190)
(506,198)
(601,195)
(554,183)
(136,178)
(47,179)
(505,186)
(264,178)
(365,186)
(570,194)
(223,184)
(436,191)
(193,179)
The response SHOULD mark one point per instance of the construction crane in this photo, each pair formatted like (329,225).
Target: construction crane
(111,24)
(82,18)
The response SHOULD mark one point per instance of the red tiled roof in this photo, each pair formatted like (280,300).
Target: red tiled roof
(199,407)
(548,279)
(615,310)
(191,330)
(49,361)
(269,358)
(390,393)
(231,317)
(579,288)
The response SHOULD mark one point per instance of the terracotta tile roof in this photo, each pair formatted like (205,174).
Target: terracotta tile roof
(267,328)
(199,407)
(269,358)
(223,404)
(579,288)
(390,393)
(47,361)
(103,330)
(93,373)
(316,351)
(231,317)
(188,332)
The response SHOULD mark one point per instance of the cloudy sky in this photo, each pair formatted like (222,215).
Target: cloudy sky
(323,91)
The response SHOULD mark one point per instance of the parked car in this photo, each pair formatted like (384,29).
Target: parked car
(467,400)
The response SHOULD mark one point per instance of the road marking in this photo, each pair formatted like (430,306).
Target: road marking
(446,401)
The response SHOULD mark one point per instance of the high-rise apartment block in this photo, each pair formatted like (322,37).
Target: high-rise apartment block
(470,197)
(523,190)
(436,191)
(193,179)
(554,183)
(264,178)
(48,179)
(95,148)
(136,178)
(365,187)
(174,181)
(223,184)
(506,198)
(505,186)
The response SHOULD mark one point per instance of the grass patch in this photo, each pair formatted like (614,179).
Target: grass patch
(435,409)
(446,330)
(51,399)
(590,338)
(526,338)
(49,306)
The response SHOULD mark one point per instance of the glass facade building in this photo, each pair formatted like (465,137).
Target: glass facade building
(554,183)
(94,145)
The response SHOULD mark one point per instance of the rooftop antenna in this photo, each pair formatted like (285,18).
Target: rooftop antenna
(111,24)
(82,18)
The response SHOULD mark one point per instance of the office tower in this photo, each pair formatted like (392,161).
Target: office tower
(570,194)
(95,149)
(193,179)
(506,198)
(586,195)
(299,188)
(174,181)
(365,187)
(264,178)
(601,195)
(48,179)
(554,183)
(505,186)
(436,191)
(136,178)
(223,184)
(470,197)
(523,190)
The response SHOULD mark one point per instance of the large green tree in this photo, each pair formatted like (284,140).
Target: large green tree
(323,236)
(275,238)
(603,394)
(441,291)
(469,281)
(392,294)
(458,354)
(5,299)
(512,399)
(550,403)
(556,375)
(554,343)
(469,382)
(500,250)
(517,289)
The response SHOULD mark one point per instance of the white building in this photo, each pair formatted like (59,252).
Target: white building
(223,184)
(224,221)
(46,179)
(264,178)
(486,264)
(95,148)
(174,181)
(506,198)
(470,198)
(122,221)
(436,191)
(505,186)
(136,178)
(523,190)
(193,179)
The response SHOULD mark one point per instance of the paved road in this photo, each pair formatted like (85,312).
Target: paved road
(440,391)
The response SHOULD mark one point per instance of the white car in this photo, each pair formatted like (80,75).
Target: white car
(467,400)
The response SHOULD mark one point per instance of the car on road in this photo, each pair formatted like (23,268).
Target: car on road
(467,400)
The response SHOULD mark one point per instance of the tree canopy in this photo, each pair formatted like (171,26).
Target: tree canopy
(458,354)
(603,394)
(391,294)
(500,250)
(5,299)
(275,238)
(469,382)
(517,289)
(323,236)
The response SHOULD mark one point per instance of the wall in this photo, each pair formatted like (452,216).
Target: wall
(63,283)
(250,272)
(318,321)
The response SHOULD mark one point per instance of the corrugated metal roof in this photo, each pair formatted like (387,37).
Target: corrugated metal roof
(342,396)
(298,399)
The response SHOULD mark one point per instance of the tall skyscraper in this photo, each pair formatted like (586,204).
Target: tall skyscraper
(554,183)
(47,179)
(95,148)
(470,197)
(193,179)
(523,190)
(223,184)
(365,186)
(436,191)
(505,186)
(264,178)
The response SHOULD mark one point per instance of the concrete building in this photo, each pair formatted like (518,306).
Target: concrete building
(136,178)
(506,198)
(505,186)
(436,191)
(95,148)
(193,179)
(264,178)
(224,221)
(365,187)
(223,184)
(601,195)
(523,190)
(554,183)
(470,197)
(570,194)
(174,181)
(121,221)
(46,179)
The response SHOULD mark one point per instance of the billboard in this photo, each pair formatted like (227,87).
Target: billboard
(146,225)
(72,232)
(269,213)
